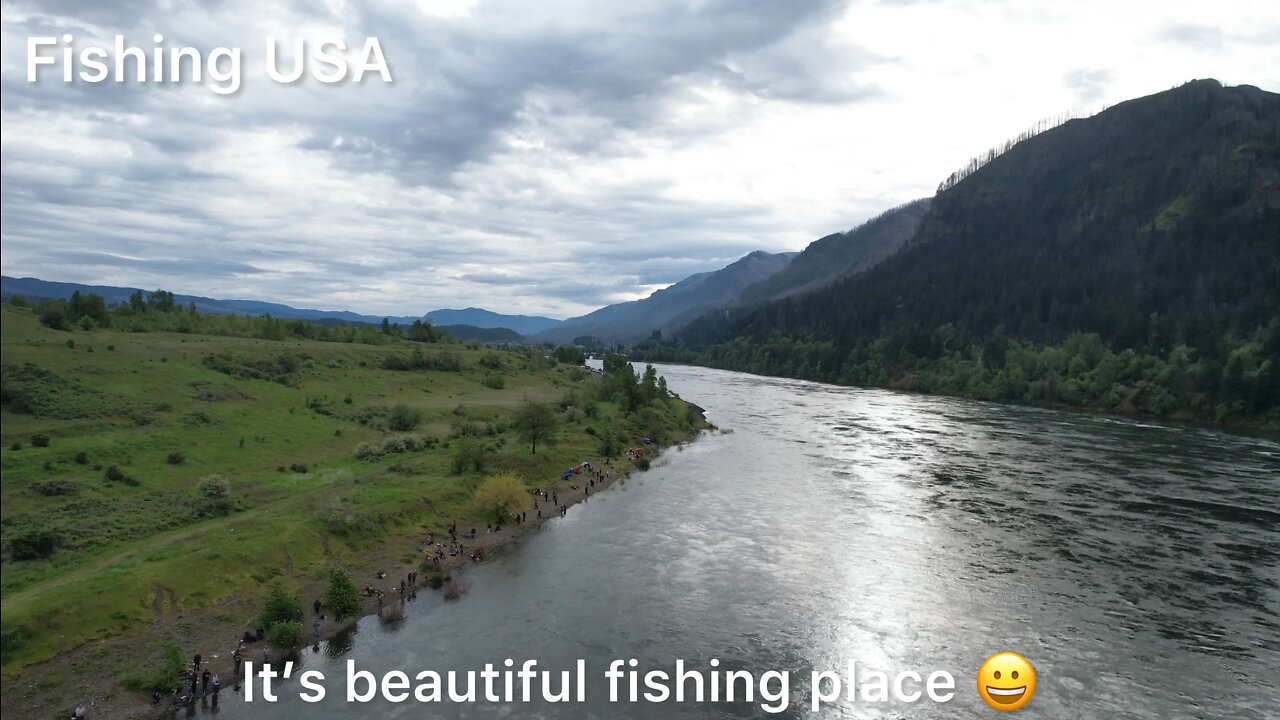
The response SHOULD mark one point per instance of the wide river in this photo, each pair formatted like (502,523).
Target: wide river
(1137,566)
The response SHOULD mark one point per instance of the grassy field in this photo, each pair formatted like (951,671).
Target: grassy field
(135,421)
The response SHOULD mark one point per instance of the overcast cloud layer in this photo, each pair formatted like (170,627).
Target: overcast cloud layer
(547,157)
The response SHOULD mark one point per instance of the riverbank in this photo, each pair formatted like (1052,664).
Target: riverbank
(156,484)
(90,676)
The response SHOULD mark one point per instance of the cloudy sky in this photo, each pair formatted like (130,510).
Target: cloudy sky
(546,157)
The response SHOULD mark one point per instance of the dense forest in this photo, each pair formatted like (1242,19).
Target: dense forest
(1127,261)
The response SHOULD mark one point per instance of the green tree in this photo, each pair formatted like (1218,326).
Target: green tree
(280,607)
(341,597)
(536,423)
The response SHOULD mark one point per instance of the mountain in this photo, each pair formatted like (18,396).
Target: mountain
(841,254)
(670,308)
(475,317)
(1127,261)
(481,318)
(471,333)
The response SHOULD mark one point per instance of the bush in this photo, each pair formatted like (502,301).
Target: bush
(34,544)
(82,458)
(52,488)
(54,317)
(176,458)
(215,495)
(495,382)
(16,446)
(298,468)
(285,635)
(39,440)
(368,451)
(403,418)
(115,474)
(643,463)
(501,494)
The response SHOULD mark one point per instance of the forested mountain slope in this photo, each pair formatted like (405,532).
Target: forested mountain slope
(838,255)
(1126,261)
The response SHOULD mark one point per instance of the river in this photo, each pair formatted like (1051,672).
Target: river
(1136,565)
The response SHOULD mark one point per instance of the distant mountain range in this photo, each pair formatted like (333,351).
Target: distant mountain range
(670,308)
(481,318)
(467,320)
(471,333)
(835,256)
(756,278)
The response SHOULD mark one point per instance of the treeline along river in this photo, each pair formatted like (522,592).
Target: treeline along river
(1136,565)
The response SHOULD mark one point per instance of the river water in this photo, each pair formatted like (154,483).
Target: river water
(1137,566)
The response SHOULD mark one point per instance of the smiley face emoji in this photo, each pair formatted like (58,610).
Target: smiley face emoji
(1006,681)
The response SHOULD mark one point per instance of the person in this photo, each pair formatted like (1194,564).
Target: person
(204,680)
(315,628)
(217,684)
(195,662)
(79,713)
(155,697)
(266,656)
(316,606)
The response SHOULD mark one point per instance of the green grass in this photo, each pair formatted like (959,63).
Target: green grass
(125,546)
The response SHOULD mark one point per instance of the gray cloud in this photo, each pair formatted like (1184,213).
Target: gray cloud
(530,157)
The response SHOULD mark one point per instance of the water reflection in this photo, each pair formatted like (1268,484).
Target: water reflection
(1137,565)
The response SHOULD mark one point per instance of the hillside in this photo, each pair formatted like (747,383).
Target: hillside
(839,255)
(471,333)
(1126,261)
(670,308)
(481,318)
(155,483)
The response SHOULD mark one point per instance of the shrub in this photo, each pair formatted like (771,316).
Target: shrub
(285,634)
(643,463)
(34,544)
(501,494)
(298,468)
(214,495)
(176,458)
(496,382)
(16,446)
(403,418)
(54,317)
(115,474)
(368,451)
(52,488)
(39,440)
(71,344)
(82,458)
